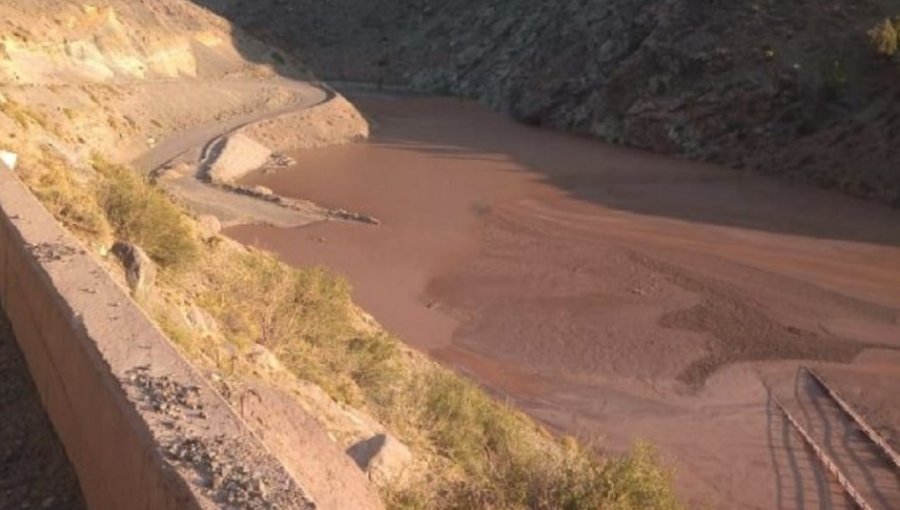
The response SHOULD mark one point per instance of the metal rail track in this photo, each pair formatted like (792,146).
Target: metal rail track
(824,459)
(883,446)
(875,440)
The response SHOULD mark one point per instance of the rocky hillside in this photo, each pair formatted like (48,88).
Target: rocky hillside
(788,88)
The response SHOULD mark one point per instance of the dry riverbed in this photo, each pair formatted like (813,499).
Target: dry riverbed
(610,293)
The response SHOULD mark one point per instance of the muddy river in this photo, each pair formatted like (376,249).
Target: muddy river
(611,293)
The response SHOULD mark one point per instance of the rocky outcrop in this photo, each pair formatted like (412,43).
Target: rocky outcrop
(383,458)
(208,226)
(140,271)
(333,122)
(234,157)
(303,446)
(777,87)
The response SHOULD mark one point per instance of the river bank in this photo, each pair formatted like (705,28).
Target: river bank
(607,292)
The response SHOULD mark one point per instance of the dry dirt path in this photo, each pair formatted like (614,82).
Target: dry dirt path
(180,143)
(611,293)
(190,146)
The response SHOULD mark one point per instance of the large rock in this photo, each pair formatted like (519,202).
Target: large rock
(140,271)
(201,321)
(383,458)
(305,449)
(209,226)
(234,157)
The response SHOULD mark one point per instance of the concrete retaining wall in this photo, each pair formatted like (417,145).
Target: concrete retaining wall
(84,339)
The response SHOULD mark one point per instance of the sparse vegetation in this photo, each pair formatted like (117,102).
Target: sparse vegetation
(16,112)
(477,452)
(141,213)
(885,36)
(71,201)
(500,459)
(471,451)
(485,454)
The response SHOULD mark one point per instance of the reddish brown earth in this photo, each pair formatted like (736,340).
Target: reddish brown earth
(612,293)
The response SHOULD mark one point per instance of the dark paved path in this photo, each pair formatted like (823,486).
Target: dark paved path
(34,470)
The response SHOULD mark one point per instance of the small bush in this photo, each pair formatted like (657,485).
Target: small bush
(302,315)
(73,203)
(885,37)
(141,213)
(501,459)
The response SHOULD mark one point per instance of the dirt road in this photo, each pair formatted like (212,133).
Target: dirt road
(611,293)
(179,143)
(189,147)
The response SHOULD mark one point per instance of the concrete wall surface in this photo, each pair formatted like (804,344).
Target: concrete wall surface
(142,428)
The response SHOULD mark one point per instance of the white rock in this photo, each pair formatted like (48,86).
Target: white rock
(383,457)
(238,156)
(140,271)
(210,226)
(9,159)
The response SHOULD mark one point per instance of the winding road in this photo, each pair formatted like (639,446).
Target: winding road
(231,208)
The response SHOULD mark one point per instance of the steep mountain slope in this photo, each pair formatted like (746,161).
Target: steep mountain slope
(788,88)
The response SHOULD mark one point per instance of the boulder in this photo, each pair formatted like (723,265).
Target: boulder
(264,359)
(305,448)
(235,157)
(201,321)
(263,191)
(384,459)
(140,271)
(209,226)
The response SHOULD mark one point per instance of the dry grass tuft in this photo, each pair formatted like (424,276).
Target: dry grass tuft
(885,37)
(72,202)
(141,213)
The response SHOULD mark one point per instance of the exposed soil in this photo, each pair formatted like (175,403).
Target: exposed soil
(607,292)
(34,470)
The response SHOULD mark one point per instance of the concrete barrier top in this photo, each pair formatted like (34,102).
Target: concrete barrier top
(143,429)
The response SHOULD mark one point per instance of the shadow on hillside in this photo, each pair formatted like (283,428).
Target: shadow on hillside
(612,176)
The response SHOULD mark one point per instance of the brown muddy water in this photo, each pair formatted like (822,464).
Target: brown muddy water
(609,293)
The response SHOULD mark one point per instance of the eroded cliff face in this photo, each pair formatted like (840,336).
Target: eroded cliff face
(788,88)
(116,77)
(64,42)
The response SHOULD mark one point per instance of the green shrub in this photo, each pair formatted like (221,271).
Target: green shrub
(885,37)
(141,213)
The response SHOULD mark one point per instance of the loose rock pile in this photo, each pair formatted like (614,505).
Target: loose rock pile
(219,463)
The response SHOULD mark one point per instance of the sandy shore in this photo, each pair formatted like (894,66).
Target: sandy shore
(611,293)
